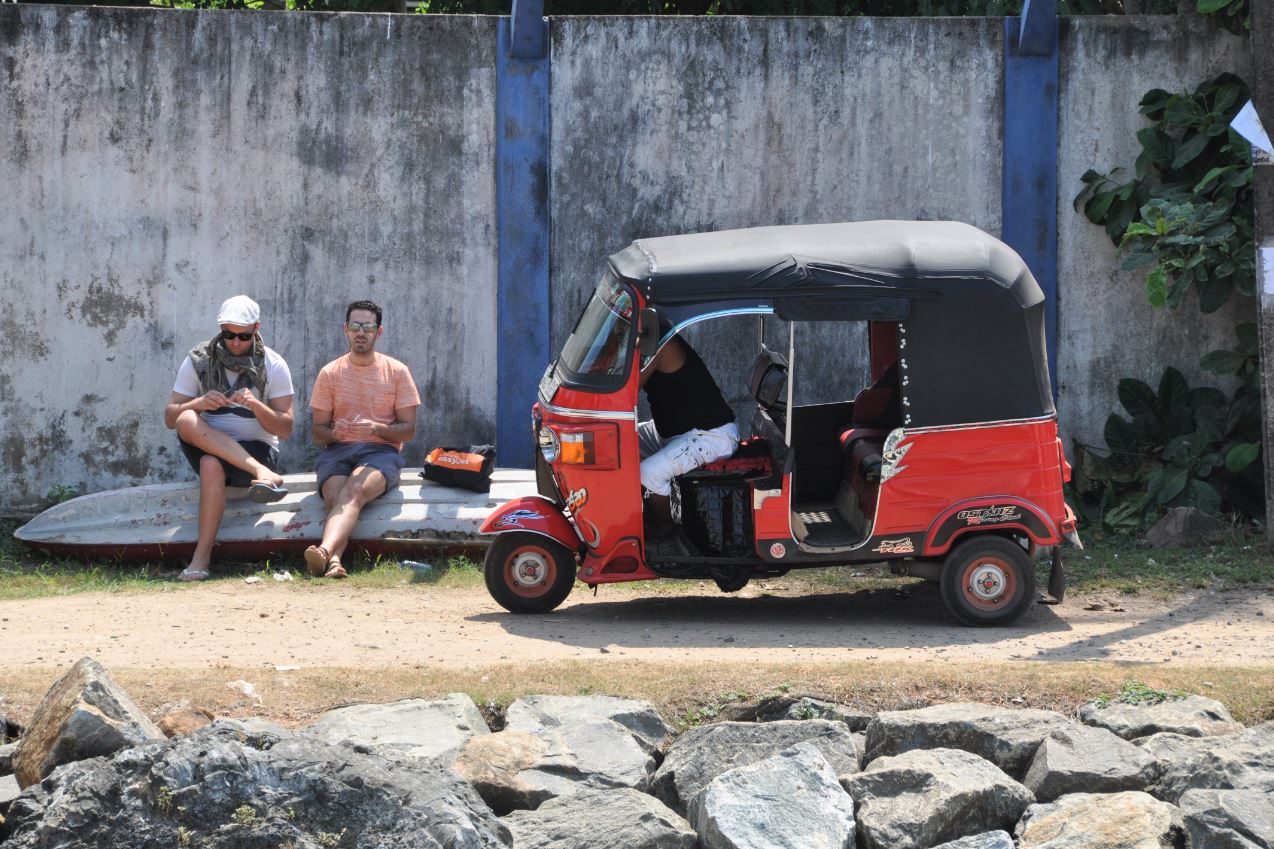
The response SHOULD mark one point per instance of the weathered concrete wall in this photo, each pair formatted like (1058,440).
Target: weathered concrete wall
(667,125)
(1106,329)
(156,162)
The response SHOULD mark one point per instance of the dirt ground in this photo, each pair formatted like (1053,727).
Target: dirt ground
(316,645)
(268,623)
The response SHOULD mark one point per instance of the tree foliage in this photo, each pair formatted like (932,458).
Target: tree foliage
(1187,215)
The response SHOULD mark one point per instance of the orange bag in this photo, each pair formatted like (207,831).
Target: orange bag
(468,468)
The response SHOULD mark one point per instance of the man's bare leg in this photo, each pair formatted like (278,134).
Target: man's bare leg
(345,498)
(193,429)
(212,506)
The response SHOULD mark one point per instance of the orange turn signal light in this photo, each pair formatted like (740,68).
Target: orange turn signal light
(577,449)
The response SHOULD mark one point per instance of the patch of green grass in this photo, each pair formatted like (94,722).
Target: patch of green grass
(1117,563)
(1136,693)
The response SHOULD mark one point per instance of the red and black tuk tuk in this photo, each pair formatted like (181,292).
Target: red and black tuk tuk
(946,466)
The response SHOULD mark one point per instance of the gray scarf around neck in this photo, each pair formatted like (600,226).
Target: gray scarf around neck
(211,359)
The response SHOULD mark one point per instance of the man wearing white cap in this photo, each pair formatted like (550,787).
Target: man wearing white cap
(230,406)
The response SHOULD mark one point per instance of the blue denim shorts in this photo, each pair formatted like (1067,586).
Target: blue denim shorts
(344,457)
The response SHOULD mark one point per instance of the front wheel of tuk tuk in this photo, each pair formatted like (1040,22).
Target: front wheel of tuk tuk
(529,573)
(987,581)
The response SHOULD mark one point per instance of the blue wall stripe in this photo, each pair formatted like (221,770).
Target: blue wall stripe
(522,219)
(1028,199)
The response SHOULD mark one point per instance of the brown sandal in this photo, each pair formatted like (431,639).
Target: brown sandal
(335,569)
(316,560)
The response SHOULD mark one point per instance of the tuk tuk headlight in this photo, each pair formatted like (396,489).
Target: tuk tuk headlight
(549,446)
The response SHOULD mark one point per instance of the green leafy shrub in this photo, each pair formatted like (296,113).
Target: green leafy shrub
(1188,213)
(1177,447)
(1234,15)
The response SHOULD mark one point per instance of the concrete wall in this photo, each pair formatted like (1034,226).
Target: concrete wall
(156,162)
(1106,329)
(668,125)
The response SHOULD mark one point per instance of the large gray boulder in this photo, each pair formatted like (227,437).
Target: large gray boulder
(1229,819)
(83,715)
(1184,526)
(701,754)
(221,789)
(989,840)
(1243,761)
(789,799)
(6,758)
(538,713)
(1007,738)
(515,769)
(592,818)
(1129,820)
(1087,760)
(1191,716)
(795,706)
(926,796)
(9,791)
(417,728)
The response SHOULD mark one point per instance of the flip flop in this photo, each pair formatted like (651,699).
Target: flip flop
(187,575)
(316,558)
(335,570)
(263,492)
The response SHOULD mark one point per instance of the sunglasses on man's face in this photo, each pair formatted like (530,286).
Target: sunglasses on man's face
(242,337)
(365,326)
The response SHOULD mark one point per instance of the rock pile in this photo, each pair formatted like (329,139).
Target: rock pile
(583,772)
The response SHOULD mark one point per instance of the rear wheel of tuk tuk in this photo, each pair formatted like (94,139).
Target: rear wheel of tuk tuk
(529,573)
(987,580)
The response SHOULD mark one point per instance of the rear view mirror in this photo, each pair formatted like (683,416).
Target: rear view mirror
(648,333)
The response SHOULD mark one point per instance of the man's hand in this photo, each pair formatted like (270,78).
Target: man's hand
(212,400)
(357,429)
(245,398)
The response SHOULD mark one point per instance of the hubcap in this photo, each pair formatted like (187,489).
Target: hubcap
(529,569)
(987,582)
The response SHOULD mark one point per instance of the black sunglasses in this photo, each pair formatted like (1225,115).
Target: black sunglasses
(242,337)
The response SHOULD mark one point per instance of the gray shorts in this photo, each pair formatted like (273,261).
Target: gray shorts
(344,457)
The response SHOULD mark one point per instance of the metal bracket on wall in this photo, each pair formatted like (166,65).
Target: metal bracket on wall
(528,38)
(1037,33)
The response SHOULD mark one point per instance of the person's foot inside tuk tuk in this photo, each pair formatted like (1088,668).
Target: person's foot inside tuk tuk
(664,537)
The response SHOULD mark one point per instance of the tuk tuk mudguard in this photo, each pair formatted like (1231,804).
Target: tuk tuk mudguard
(977,515)
(534,514)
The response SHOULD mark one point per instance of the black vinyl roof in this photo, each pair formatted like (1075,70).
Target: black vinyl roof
(971,314)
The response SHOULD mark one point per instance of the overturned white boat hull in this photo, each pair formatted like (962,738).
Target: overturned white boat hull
(160,521)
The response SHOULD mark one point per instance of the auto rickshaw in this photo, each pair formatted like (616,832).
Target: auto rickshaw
(946,466)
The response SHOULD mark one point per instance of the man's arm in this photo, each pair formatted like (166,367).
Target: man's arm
(671,357)
(402,430)
(275,416)
(322,428)
(179,403)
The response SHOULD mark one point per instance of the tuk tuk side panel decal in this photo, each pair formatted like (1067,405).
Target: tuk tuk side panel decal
(991,514)
(897,546)
(534,514)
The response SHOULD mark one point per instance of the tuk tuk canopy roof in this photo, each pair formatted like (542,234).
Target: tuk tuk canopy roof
(970,313)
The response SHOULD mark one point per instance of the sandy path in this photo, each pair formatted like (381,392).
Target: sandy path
(290,625)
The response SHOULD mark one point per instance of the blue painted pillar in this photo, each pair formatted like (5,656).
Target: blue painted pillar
(1028,194)
(522,221)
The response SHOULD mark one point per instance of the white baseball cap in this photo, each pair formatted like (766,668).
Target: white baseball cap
(239,310)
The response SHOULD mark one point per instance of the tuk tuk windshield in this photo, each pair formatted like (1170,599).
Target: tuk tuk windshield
(597,351)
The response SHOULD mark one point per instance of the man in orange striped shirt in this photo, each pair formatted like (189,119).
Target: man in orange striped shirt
(364,406)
